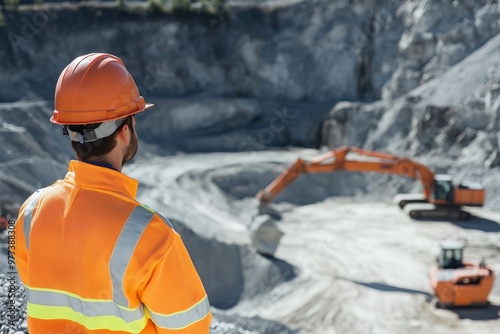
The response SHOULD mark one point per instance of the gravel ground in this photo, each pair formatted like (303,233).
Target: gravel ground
(362,263)
(12,306)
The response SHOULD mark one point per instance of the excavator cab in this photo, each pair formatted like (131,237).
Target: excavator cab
(443,188)
(451,256)
(447,193)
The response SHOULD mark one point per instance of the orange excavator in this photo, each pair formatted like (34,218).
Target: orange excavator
(460,283)
(440,198)
(5,214)
(4,223)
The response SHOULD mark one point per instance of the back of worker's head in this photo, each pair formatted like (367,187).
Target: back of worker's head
(95,96)
(98,147)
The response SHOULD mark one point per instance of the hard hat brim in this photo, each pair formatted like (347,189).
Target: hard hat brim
(101,116)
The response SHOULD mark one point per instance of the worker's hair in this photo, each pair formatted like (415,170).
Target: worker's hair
(99,147)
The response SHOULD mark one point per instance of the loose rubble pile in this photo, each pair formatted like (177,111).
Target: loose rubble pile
(12,306)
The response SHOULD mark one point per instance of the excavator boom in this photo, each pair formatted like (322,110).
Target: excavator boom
(436,190)
(364,161)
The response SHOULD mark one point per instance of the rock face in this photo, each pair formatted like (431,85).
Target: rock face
(450,122)
(444,116)
(32,150)
(414,78)
(438,34)
(226,75)
(295,53)
(240,125)
(311,50)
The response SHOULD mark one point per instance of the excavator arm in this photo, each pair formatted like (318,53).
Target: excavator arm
(359,160)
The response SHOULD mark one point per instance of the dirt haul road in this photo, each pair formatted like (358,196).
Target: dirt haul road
(362,266)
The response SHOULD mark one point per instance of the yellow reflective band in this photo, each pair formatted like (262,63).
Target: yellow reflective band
(108,322)
(93,314)
(148,208)
(182,319)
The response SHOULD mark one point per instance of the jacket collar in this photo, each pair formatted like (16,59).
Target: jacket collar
(100,163)
(93,176)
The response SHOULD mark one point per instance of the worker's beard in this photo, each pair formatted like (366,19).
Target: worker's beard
(131,149)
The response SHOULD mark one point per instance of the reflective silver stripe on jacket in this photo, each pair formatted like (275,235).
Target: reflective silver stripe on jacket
(124,249)
(28,215)
(86,307)
(182,319)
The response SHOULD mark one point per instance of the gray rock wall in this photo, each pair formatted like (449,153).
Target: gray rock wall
(311,49)
(449,123)
(227,83)
(297,52)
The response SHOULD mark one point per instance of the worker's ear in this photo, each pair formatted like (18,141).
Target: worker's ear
(124,134)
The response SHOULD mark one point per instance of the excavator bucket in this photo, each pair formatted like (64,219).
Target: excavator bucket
(265,235)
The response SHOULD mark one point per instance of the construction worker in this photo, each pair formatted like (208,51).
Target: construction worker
(92,258)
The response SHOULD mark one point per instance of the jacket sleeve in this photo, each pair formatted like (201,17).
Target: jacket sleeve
(174,295)
(20,250)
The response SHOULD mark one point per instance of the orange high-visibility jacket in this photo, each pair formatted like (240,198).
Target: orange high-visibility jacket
(94,260)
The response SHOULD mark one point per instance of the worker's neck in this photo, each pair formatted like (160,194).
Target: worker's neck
(106,160)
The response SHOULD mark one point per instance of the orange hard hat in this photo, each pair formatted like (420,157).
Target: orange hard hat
(95,88)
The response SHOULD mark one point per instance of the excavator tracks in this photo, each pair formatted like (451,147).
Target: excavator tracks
(404,199)
(428,210)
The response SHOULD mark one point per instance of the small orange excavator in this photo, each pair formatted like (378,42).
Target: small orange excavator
(4,223)
(441,197)
(459,283)
(5,215)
